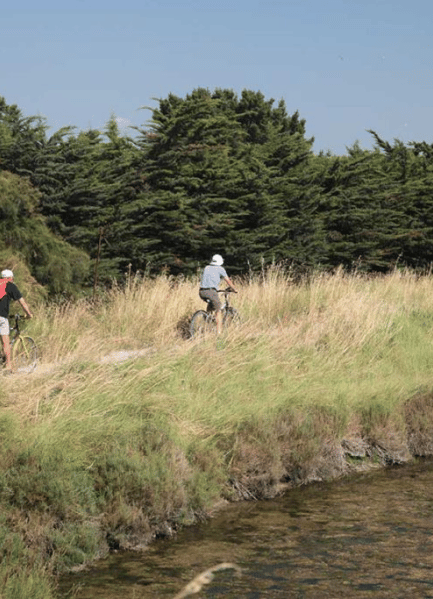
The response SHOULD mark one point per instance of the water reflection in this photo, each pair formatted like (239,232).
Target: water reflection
(370,536)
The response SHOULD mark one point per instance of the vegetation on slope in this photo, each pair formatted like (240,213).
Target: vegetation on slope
(99,452)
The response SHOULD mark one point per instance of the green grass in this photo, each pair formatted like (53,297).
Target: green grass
(96,455)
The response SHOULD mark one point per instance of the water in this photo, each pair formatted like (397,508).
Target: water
(368,536)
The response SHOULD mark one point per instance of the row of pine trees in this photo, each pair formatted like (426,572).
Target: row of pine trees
(211,172)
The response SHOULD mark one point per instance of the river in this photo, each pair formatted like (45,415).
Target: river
(370,535)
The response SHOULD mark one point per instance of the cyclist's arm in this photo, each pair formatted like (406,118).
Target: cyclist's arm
(229,283)
(25,307)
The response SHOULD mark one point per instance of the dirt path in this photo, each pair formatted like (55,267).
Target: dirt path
(115,357)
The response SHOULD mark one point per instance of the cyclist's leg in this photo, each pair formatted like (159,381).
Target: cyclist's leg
(214,305)
(219,321)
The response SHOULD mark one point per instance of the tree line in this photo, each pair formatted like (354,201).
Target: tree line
(213,172)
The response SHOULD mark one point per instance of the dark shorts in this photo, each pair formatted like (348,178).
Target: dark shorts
(211,297)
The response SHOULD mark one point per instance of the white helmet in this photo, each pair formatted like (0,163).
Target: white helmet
(7,274)
(217,260)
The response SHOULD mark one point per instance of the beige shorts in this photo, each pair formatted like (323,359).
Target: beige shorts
(4,326)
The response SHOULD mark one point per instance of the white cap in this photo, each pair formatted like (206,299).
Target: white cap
(217,260)
(7,274)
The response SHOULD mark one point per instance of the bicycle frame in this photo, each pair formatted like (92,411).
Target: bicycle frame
(226,293)
(226,304)
(201,320)
(24,352)
(15,329)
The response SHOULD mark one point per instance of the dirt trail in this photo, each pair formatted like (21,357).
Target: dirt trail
(115,357)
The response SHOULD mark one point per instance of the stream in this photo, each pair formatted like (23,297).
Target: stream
(370,535)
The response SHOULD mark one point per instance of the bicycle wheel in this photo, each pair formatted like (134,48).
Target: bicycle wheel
(24,354)
(201,322)
(231,316)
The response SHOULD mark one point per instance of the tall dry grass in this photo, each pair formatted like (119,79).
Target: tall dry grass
(153,310)
(333,339)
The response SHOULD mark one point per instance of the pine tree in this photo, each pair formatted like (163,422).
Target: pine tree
(188,208)
(23,231)
(21,139)
(218,178)
(281,218)
(411,167)
(91,181)
(360,214)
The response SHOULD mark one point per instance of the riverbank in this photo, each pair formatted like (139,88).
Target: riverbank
(321,378)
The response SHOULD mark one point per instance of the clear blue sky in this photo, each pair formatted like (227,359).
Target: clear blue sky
(345,65)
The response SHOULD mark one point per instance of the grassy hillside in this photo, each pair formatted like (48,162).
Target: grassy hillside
(99,452)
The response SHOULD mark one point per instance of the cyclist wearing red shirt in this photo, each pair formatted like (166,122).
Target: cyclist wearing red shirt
(9,292)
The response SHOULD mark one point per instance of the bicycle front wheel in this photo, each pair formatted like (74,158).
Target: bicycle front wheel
(24,354)
(201,322)
(231,316)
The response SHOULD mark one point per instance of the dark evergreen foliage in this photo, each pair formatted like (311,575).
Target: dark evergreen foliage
(212,172)
(218,179)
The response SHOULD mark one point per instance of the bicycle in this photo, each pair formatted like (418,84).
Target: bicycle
(203,321)
(24,352)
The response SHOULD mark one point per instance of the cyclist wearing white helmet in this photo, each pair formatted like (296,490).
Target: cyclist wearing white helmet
(210,280)
(9,291)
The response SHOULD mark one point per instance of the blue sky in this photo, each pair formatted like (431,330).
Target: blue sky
(345,65)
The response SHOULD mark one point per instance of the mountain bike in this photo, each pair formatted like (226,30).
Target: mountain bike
(203,321)
(24,352)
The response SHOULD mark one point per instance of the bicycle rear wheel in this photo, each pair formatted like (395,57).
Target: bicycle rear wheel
(201,322)
(231,316)
(24,354)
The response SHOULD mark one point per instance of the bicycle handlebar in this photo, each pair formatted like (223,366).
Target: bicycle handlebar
(16,317)
(227,290)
